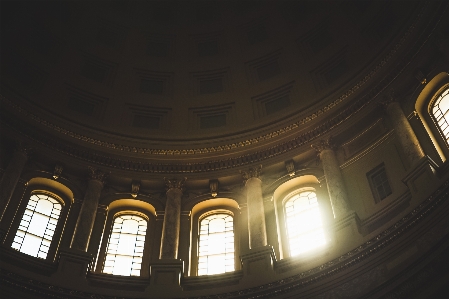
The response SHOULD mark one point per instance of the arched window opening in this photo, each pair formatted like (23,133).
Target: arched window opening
(125,246)
(216,244)
(440,112)
(304,224)
(38,225)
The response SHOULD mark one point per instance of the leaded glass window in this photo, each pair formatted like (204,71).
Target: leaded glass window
(125,246)
(304,224)
(440,112)
(216,244)
(38,225)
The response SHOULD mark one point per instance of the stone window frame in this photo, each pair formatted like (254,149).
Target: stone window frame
(374,188)
(56,190)
(119,208)
(424,104)
(207,208)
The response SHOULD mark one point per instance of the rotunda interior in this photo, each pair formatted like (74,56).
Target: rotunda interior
(224,149)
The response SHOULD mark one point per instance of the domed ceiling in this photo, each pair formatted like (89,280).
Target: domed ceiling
(179,78)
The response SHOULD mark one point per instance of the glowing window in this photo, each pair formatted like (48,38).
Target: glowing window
(304,225)
(440,111)
(37,226)
(216,244)
(125,246)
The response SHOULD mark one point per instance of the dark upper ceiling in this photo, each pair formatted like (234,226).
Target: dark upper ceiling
(174,78)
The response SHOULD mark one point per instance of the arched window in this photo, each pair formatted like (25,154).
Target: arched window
(125,246)
(215,239)
(432,106)
(122,237)
(440,113)
(216,244)
(303,222)
(38,225)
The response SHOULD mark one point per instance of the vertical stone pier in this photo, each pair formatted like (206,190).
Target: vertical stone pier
(74,263)
(257,265)
(11,176)
(404,133)
(421,169)
(345,233)
(169,269)
(86,218)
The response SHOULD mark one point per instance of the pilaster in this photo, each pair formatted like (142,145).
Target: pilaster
(256,212)
(172,219)
(404,132)
(86,218)
(334,179)
(11,176)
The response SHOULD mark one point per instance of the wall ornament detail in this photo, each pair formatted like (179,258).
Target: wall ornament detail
(57,171)
(135,187)
(290,166)
(213,184)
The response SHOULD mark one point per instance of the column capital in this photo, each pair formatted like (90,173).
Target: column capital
(252,172)
(23,148)
(175,183)
(388,100)
(324,144)
(96,174)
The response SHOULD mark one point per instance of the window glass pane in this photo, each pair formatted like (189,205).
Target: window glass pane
(216,244)
(304,225)
(440,112)
(37,226)
(125,247)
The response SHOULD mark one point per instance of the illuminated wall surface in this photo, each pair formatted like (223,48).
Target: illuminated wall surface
(224,149)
